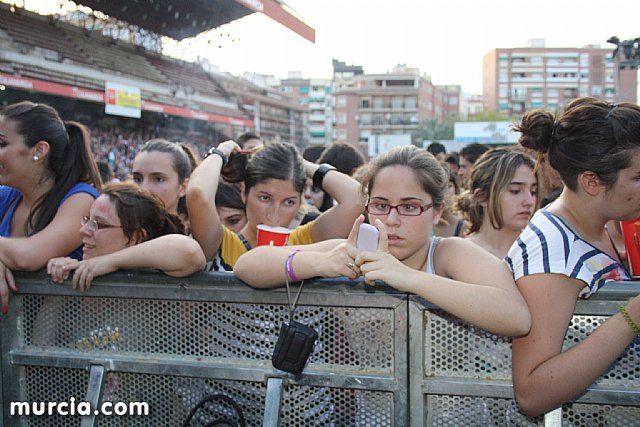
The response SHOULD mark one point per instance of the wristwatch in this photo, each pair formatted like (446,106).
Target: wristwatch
(214,150)
(318,175)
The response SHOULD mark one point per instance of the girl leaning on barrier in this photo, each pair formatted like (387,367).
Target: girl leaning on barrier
(49,181)
(501,199)
(272,180)
(565,252)
(405,190)
(129,227)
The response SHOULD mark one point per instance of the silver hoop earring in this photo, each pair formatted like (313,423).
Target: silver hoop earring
(35,158)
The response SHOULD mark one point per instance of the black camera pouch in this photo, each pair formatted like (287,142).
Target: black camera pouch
(294,346)
(295,340)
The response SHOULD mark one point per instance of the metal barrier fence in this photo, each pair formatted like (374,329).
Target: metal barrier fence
(383,358)
(460,375)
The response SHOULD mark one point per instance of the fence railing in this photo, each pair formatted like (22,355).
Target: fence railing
(460,375)
(382,358)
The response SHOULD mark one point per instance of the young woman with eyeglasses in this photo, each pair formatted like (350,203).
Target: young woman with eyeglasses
(405,191)
(129,227)
(48,179)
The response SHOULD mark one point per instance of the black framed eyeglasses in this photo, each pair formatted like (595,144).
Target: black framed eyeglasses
(94,225)
(404,209)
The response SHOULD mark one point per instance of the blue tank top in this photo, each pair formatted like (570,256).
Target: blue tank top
(10,198)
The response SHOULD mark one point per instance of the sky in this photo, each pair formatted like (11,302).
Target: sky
(445,39)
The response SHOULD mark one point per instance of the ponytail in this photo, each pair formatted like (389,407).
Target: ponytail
(68,161)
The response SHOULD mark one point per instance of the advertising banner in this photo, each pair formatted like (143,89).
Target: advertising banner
(122,100)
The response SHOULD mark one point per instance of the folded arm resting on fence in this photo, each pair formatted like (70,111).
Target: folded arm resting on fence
(544,376)
(173,254)
(483,293)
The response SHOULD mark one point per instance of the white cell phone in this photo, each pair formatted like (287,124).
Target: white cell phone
(367,237)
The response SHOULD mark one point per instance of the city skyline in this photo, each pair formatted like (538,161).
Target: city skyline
(445,40)
(432,36)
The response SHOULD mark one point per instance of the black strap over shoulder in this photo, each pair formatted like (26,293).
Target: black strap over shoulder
(244,241)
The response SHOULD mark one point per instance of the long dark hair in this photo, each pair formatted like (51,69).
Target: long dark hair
(590,135)
(275,161)
(183,160)
(68,161)
(139,209)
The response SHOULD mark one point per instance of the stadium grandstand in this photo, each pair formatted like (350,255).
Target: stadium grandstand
(102,63)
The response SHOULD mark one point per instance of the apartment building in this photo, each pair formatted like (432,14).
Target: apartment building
(394,103)
(276,116)
(519,79)
(316,95)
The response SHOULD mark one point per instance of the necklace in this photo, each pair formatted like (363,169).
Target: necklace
(615,249)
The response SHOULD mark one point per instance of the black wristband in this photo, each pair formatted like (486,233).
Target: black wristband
(220,153)
(318,175)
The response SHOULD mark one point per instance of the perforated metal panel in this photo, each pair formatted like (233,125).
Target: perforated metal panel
(351,340)
(457,411)
(54,385)
(456,349)
(625,371)
(172,398)
(169,343)
(581,415)
(359,338)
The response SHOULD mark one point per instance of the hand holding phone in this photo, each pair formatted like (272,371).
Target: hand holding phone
(367,237)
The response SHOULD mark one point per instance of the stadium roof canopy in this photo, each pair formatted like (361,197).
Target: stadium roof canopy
(180,19)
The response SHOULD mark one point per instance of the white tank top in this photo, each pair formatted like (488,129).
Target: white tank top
(430,268)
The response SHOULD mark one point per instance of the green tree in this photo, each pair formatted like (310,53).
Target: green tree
(431,129)
(490,116)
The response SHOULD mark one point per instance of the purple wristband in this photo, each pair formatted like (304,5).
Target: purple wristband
(289,265)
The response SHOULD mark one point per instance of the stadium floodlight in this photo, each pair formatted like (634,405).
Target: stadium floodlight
(625,55)
(627,48)
(614,40)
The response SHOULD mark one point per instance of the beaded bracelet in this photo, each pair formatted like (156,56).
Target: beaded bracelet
(629,320)
(289,264)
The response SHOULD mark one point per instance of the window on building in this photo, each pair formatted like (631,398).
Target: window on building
(378,102)
(396,102)
(365,103)
(410,102)
(596,90)
(341,101)
(365,119)
(341,118)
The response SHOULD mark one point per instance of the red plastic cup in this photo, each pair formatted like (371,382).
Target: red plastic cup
(630,230)
(272,236)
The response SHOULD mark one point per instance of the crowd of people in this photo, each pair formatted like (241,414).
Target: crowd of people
(531,216)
